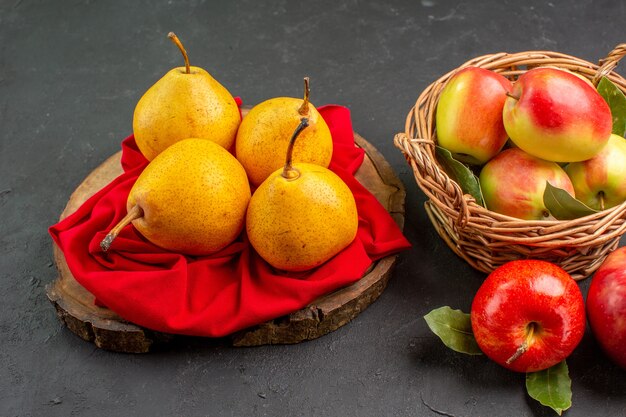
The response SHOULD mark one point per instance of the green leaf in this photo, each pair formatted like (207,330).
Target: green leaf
(562,205)
(552,387)
(454,328)
(617,103)
(461,174)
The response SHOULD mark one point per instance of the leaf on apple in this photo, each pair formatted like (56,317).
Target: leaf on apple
(562,205)
(552,387)
(461,174)
(454,328)
(617,103)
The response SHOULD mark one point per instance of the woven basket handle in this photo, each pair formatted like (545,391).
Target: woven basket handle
(429,174)
(610,62)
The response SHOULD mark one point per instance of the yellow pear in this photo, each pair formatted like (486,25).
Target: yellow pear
(186,103)
(190,199)
(301,215)
(263,136)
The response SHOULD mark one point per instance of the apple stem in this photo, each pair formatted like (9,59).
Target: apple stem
(178,43)
(290,172)
(134,213)
(513,96)
(525,345)
(304,109)
(519,352)
(601,197)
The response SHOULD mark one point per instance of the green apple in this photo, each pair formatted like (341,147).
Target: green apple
(557,116)
(600,182)
(514,181)
(469,115)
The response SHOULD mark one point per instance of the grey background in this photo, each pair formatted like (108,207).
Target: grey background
(71,73)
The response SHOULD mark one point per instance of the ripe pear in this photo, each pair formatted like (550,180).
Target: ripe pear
(190,199)
(263,136)
(301,215)
(186,103)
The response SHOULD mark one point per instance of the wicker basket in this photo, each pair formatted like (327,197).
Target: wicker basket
(486,239)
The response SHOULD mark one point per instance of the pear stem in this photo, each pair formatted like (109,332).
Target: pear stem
(290,172)
(178,43)
(134,213)
(525,345)
(513,96)
(304,108)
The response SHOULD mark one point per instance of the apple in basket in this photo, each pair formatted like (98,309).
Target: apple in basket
(469,115)
(606,306)
(513,184)
(555,115)
(528,315)
(599,181)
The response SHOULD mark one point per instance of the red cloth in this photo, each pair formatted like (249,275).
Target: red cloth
(219,294)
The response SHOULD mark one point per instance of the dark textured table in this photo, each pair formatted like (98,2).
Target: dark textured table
(71,73)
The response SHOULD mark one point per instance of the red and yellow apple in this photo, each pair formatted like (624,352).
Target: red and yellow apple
(528,315)
(513,184)
(555,115)
(582,77)
(606,306)
(600,182)
(469,115)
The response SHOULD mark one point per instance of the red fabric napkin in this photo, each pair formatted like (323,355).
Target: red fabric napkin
(219,294)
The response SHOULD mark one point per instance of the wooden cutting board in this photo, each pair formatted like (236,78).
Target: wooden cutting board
(76,309)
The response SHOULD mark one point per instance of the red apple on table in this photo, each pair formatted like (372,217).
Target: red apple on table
(555,115)
(469,115)
(606,306)
(600,182)
(528,315)
(513,184)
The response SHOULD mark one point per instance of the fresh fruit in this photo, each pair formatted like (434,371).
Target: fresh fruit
(528,315)
(582,77)
(301,215)
(191,199)
(599,181)
(554,115)
(263,136)
(606,306)
(513,184)
(469,115)
(186,103)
